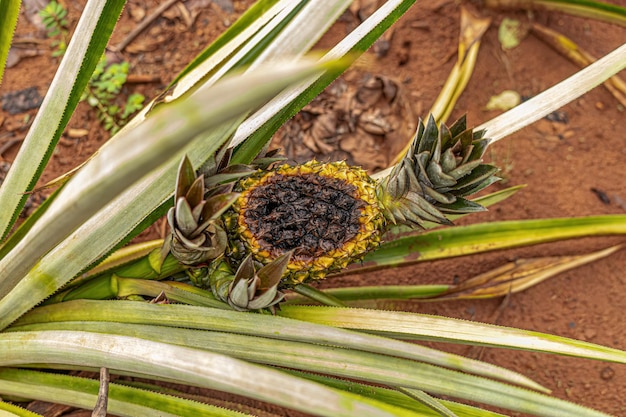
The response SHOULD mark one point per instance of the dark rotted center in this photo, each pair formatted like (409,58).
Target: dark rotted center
(309,213)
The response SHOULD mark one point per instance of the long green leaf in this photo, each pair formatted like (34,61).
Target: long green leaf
(236,51)
(107,175)
(257,325)
(9,10)
(444,329)
(20,232)
(253,134)
(300,33)
(82,392)
(374,368)
(189,366)
(361,295)
(394,397)
(83,53)
(257,35)
(507,279)
(205,64)
(248,20)
(101,234)
(311,357)
(11,410)
(483,237)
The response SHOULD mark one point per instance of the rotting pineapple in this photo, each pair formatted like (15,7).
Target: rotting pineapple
(332,214)
(328,215)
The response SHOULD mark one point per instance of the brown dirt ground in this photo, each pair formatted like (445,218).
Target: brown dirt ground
(560,163)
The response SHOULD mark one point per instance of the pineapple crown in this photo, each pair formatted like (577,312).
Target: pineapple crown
(442,166)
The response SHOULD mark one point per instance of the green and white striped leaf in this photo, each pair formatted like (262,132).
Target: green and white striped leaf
(483,237)
(257,325)
(363,366)
(9,10)
(82,392)
(186,365)
(444,329)
(79,61)
(395,397)
(108,175)
(253,39)
(257,130)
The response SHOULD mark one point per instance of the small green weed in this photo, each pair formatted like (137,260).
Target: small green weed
(104,86)
(107,80)
(53,17)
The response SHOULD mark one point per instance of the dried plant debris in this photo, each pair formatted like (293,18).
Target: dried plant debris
(363,119)
(602,196)
(361,10)
(4,169)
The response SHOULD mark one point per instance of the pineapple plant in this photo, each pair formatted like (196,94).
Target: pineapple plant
(190,335)
(328,215)
(332,214)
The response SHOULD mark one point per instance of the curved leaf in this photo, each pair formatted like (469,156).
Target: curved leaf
(121,164)
(83,53)
(483,237)
(82,392)
(9,10)
(444,329)
(379,369)
(189,366)
(257,325)
(258,129)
